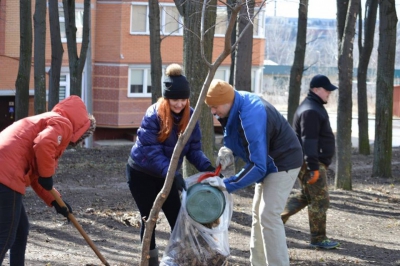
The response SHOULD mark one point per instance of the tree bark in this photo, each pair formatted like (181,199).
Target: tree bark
(76,64)
(25,59)
(155,50)
(296,72)
(233,40)
(57,52)
(382,165)
(346,30)
(196,69)
(244,49)
(365,50)
(39,24)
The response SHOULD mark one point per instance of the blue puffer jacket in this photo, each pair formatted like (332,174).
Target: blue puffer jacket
(256,132)
(152,157)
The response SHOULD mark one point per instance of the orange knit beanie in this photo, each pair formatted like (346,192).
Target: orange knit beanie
(220,92)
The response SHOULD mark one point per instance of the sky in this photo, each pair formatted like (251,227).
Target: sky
(316,8)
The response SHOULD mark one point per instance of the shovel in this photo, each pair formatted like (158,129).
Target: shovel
(209,174)
(79,227)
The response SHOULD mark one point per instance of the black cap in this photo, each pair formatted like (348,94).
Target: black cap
(176,87)
(321,81)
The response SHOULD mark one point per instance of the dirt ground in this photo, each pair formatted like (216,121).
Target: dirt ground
(366,220)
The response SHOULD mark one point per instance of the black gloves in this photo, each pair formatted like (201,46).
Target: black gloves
(179,182)
(46,182)
(62,210)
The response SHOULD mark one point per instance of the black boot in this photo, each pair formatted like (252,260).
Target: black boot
(153,261)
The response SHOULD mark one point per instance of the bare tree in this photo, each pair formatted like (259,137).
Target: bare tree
(296,72)
(155,50)
(279,41)
(346,31)
(382,165)
(25,59)
(39,19)
(212,68)
(57,52)
(365,45)
(76,64)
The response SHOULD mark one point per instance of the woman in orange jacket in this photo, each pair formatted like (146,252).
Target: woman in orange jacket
(29,152)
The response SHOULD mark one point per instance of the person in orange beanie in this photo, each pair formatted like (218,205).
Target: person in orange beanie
(29,152)
(257,133)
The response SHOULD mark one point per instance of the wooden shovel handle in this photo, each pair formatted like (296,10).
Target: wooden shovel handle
(71,217)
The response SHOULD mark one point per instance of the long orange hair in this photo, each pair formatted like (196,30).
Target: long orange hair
(167,119)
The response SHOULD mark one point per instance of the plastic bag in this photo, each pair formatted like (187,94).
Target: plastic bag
(194,244)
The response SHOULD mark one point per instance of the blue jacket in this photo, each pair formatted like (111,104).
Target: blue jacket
(152,157)
(256,132)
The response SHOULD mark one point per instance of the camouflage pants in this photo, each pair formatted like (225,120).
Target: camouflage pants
(316,197)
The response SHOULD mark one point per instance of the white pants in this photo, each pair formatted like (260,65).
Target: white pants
(268,238)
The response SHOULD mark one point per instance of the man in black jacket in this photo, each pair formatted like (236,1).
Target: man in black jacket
(311,123)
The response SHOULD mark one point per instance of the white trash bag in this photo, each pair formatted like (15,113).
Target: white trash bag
(195,244)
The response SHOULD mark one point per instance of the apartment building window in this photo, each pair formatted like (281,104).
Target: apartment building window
(139,18)
(64,87)
(222,21)
(259,25)
(170,20)
(139,82)
(78,23)
(222,73)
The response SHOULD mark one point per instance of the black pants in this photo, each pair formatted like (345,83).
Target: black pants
(144,189)
(14,226)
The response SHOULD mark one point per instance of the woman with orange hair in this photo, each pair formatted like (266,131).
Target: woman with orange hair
(151,154)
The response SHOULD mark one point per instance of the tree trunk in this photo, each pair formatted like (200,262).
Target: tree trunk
(57,52)
(365,49)
(382,165)
(76,64)
(155,50)
(245,49)
(25,58)
(39,19)
(346,30)
(233,40)
(296,72)
(196,69)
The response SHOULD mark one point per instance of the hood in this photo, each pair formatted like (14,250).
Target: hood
(75,111)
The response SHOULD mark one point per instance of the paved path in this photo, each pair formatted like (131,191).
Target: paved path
(371,130)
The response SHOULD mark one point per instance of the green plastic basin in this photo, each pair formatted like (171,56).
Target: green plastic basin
(205,203)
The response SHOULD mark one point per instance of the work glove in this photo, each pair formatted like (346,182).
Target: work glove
(314,175)
(225,157)
(62,210)
(215,181)
(46,182)
(179,182)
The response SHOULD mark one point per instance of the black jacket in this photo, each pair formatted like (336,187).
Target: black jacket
(311,124)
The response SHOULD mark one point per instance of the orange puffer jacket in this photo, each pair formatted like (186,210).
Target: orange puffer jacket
(31,147)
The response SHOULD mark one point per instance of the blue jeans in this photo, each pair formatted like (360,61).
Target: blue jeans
(14,226)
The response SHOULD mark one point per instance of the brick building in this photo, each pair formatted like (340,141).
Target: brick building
(118,78)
